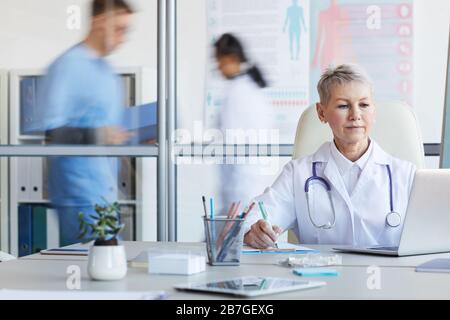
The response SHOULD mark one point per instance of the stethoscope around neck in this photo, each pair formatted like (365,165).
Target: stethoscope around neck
(393,219)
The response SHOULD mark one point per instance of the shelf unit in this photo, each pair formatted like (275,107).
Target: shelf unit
(4,176)
(138,175)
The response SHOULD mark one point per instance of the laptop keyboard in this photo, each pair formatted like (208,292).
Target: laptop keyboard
(385,248)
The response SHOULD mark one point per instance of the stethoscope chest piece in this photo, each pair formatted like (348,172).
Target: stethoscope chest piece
(393,219)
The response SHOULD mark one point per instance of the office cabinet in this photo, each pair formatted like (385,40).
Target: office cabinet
(127,179)
(28,175)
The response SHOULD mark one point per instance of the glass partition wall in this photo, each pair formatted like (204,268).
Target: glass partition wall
(175,100)
(235,142)
(79,117)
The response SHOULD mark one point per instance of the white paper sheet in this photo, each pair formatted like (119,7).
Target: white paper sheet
(282,247)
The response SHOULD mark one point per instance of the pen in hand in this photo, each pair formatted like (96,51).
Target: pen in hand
(263,210)
(264,214)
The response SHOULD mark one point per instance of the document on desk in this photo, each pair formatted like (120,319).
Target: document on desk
(12,294)
(282,247)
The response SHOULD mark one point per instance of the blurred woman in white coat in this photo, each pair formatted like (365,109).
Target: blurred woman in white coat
(349,192)
(245,118)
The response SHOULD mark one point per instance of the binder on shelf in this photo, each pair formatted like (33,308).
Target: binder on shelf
(127,216)
(30,175)
(52,229)
(142,122)
(45,179)
(39,229)
(29,113)
(36,170)
(23,179)
(127,181)
(129,89)
(25,230)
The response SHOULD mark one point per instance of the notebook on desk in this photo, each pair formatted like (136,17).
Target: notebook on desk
(66,252)
(282,247)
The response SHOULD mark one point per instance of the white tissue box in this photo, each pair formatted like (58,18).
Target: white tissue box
(176,263)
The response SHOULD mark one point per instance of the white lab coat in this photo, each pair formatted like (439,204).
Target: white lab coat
(360,218)
(244,108)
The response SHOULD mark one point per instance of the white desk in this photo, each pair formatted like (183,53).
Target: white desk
(398,278)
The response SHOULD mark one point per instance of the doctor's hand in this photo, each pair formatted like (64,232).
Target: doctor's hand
(262,235)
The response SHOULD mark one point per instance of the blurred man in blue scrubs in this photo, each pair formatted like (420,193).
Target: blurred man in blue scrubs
(82,99)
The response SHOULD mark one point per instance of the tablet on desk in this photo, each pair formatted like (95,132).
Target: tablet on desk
(251,286)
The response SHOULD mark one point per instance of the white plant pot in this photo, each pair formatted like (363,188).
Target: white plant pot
(107,262)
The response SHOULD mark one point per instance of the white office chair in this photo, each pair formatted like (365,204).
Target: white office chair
(396,130)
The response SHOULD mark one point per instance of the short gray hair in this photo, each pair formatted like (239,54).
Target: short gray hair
(345,73)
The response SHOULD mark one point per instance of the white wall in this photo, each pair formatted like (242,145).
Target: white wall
(34,32)
(431,27)
(192,48)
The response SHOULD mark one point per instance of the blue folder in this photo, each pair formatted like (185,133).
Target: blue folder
(25,230)
(142,121)
(39,222)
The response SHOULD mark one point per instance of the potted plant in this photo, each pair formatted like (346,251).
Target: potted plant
(107,259)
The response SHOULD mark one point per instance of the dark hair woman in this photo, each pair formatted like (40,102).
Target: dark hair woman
(245,117)
(230,56)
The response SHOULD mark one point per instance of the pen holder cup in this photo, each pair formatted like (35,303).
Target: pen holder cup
(224,238)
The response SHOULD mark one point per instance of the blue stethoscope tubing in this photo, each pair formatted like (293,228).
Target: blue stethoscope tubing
(393,219)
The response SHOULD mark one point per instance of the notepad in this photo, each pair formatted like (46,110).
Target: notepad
(436,265)
(282,247)
(140,261)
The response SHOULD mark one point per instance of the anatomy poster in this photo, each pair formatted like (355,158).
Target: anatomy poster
(293,41)
(378,35)
(275,36)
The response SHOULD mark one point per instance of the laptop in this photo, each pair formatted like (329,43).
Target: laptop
(426,227)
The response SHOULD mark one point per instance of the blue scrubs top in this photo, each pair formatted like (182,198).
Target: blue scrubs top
(81,90)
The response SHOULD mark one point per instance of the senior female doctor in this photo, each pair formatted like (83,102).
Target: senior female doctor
(349,192)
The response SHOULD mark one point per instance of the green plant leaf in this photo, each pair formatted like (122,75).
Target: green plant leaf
(106,221)
(111,224)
